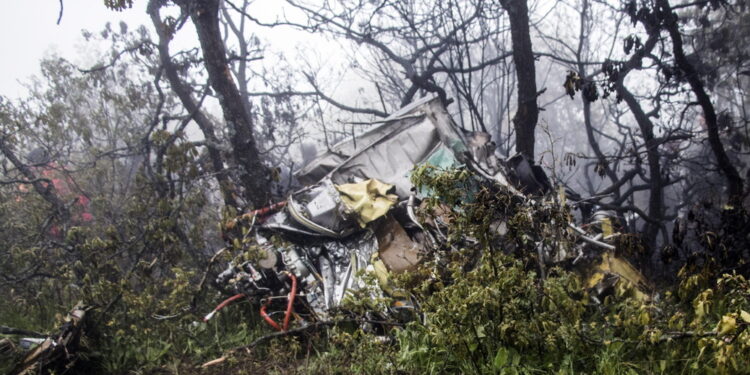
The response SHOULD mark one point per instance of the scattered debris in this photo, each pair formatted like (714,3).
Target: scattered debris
(360,215)
(57,352)
(357,215)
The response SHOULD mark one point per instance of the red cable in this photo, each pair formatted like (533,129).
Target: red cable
(222,305)
(268,318)
(289,308)
(265,210)
(271,322)
(290,304)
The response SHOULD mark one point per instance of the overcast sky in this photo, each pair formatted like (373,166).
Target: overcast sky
(29,30)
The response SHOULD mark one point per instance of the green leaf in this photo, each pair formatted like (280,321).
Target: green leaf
(481,332)
(501,358)
(515,358)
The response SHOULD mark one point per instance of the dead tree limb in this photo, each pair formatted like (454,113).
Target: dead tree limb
(20,332)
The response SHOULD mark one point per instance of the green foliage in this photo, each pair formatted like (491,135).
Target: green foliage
(482,306)
(496,316)
(139,261)
(499,317)
(140,277)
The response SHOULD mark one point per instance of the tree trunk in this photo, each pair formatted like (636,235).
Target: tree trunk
(734,180)
(183,92)
(656,196)
(254,175)
(527,112)
(656,191)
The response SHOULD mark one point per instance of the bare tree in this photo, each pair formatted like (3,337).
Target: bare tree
(527,111)
(414,47)
(252,173)
(670,24)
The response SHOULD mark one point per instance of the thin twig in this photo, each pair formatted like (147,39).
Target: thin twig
(202,284)
(59,17)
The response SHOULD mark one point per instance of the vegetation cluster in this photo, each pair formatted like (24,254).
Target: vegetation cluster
(126,186)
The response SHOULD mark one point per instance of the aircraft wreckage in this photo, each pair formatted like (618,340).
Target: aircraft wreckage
(356,215)
(359,215)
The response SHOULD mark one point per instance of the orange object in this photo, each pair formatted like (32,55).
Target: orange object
(289,308)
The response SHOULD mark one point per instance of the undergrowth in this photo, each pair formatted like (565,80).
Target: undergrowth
(484,306)
(501,317)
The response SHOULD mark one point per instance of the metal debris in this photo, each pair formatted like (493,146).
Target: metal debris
(357,216)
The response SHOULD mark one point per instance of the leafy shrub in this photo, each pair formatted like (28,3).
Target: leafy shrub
(501,317)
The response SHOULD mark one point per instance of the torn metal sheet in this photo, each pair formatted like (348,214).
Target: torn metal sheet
(390,151)
(324,269)
(282,222)
(320,209)
(360,214)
